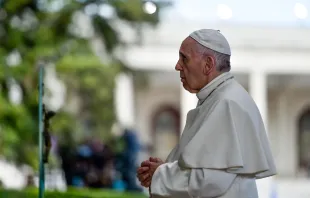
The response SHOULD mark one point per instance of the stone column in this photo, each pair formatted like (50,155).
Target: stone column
(188,102)
(258,90)
(124,100)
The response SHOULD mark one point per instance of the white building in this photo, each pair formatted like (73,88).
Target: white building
(273,64)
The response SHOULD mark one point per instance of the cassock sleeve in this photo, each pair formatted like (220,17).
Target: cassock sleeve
(170,181)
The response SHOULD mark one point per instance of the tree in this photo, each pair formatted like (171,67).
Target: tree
(34,31)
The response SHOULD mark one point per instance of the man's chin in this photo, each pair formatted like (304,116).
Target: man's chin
(187,88)
(192,91)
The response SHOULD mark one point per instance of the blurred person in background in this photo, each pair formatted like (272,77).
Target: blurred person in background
(224,146)
(127,159)
(93,165)
(101,162)
(88,164)
(65,151)
(82,164)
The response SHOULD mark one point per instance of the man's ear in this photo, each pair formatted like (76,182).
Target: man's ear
(209,64)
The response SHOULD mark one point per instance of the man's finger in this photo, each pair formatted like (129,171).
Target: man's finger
(151,164)
(155,159)
(146,163)
(143,177)
(143,162)
(146,183)
(142,172)
(143,169)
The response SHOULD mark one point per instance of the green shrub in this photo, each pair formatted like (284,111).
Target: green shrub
(71,193)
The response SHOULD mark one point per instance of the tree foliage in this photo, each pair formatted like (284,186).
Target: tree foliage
(46,31)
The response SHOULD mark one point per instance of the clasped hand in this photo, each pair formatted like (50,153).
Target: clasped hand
(146,170)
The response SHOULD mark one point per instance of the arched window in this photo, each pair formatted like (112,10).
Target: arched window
(304,142)
(166,131)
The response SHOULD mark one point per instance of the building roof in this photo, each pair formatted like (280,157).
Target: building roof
(271,49)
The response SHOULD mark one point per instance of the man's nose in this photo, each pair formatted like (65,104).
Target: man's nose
(178,67)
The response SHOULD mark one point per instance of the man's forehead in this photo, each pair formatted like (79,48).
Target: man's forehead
(188,42)
(187,45)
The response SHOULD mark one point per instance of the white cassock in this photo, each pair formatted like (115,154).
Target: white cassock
(223,148)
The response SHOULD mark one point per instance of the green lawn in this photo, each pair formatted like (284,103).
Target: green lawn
(72,193)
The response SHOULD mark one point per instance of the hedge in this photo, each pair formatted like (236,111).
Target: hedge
(71,193)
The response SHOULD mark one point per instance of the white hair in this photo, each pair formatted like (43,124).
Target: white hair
(222,61)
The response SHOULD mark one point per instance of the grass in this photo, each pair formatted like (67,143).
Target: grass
(71,193)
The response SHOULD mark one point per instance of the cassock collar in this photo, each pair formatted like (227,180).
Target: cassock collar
(210,87)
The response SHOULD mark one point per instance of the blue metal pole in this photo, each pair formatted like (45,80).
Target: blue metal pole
(41,126)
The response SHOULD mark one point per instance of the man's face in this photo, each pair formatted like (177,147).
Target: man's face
(191,66)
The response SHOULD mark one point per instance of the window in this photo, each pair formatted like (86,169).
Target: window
(166,126)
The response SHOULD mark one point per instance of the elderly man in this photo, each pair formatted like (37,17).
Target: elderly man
(224,146)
